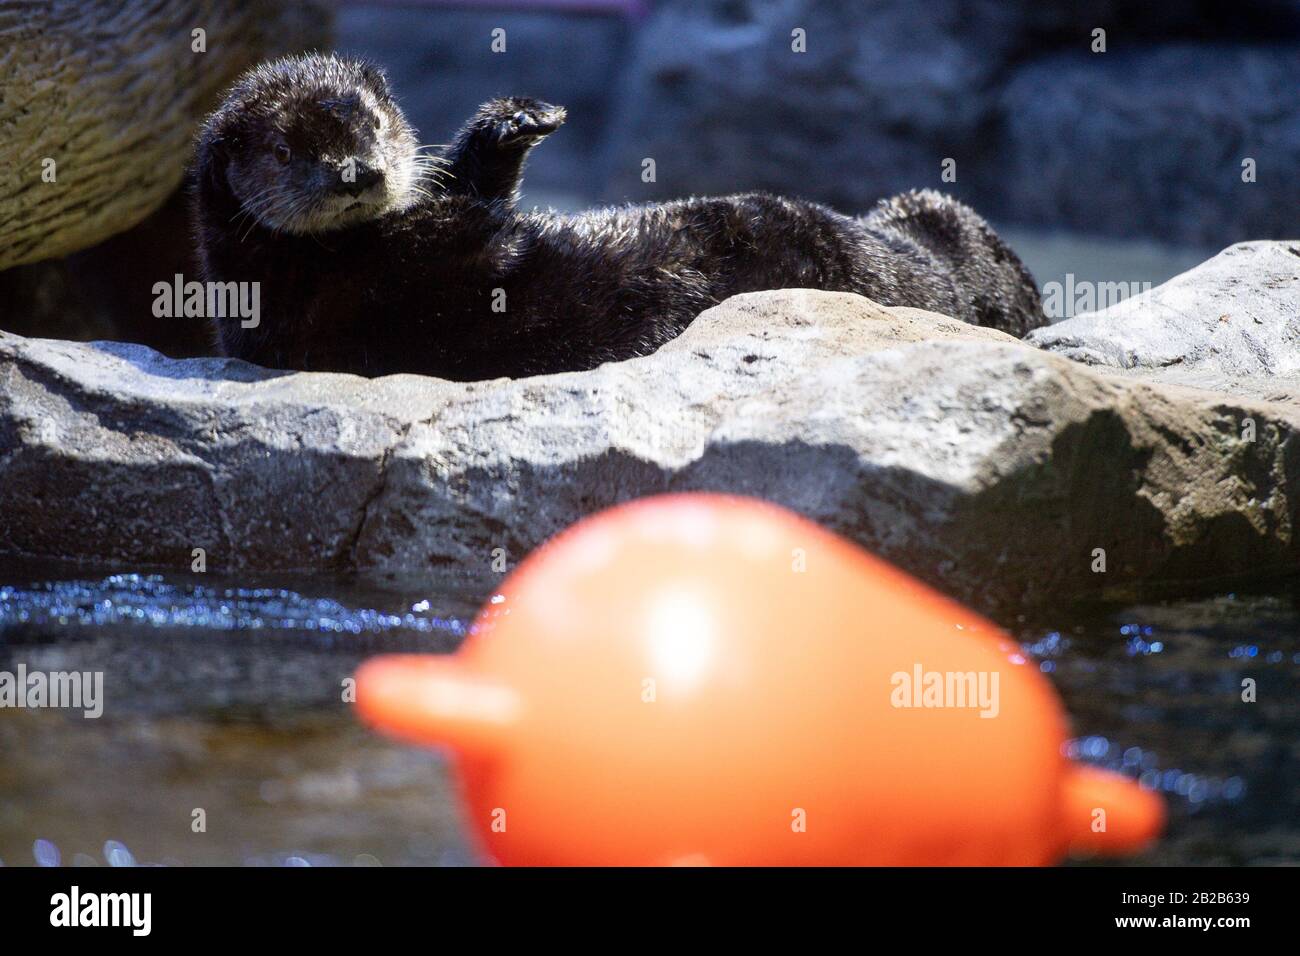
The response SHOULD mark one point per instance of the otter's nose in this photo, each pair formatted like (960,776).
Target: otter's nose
(355,179)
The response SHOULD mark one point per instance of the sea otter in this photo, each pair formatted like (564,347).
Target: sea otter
(375,258)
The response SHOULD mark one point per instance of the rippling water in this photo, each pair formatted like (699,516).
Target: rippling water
(226,708)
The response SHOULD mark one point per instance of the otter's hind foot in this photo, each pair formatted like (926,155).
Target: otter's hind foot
(519,121)
(487,157)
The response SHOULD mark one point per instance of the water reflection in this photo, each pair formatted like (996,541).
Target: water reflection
(226,738)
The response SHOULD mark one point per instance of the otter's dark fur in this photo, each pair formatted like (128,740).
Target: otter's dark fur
(432,269)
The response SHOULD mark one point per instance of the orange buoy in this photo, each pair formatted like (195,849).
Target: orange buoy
(704,679)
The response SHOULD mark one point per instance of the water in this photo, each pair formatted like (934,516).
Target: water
(225,707)
(1156,691)
(224,700)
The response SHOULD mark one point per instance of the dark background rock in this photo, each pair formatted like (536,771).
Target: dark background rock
(1150,140)
(106,292)
(885,91)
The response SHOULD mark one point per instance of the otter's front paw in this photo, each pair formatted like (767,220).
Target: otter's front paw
(524,122)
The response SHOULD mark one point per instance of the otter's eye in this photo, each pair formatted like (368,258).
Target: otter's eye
(282,153)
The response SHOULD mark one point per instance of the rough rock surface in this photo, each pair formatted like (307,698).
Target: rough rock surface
(1232,323)
(987,467)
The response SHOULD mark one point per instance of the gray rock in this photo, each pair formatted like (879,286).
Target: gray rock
(985,466)
(1232,323)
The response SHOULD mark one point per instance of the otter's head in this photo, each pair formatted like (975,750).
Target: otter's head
(308,144)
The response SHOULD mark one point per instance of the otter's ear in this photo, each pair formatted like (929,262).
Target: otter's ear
(212,157)
(215,145)
(373,74)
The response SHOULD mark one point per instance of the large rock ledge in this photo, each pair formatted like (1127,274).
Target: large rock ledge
(984,465)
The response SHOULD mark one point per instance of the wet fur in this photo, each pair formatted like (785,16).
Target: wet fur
(413,290)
